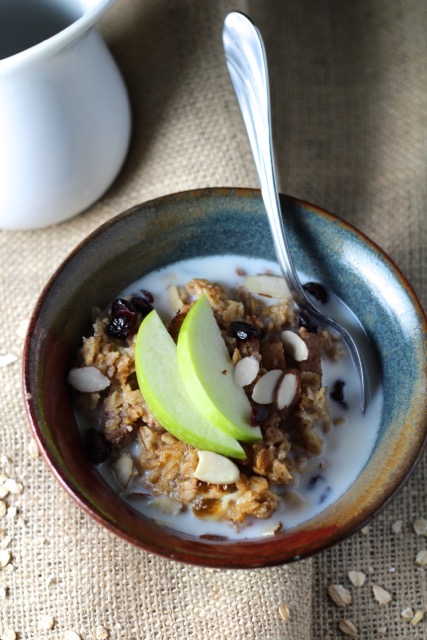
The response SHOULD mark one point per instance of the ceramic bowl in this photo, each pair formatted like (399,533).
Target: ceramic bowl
(215,221)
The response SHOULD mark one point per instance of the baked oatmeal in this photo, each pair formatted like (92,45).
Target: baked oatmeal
(253,327)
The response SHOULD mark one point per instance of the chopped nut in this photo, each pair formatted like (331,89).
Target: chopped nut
(407,613)
(174,298)
(418,616)
(420,526)
(284,612)
(70,635)
(396,527)
(8,634)
(101,633)
(47,622)
(421,558)
(340,595)
(357,578)
(5,557)
(272,530)
(166,505)
(381,595)
(122,469)
(348,628)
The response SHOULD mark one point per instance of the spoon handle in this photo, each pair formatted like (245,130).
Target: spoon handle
(247,65)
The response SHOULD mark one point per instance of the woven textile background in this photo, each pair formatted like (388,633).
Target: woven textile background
(349,94)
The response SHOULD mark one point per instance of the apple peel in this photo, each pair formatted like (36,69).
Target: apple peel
(163,389)
(208,374)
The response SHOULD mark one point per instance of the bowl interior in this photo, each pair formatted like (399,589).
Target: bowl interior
(222,221)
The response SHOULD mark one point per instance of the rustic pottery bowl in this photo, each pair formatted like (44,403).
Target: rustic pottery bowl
(215,221)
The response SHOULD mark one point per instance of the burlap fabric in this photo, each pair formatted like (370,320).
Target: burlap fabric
(349,88)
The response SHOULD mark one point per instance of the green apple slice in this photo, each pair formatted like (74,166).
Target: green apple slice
(161,385)
(208,374)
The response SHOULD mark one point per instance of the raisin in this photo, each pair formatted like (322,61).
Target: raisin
(316,290)
(122,325)
(337,393)
(97,447)
(244,330)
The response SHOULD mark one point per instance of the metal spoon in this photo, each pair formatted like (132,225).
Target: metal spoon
(247,64)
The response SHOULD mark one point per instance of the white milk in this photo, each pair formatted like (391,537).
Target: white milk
(347,447)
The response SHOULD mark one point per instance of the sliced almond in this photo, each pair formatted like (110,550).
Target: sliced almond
(294,345)
(272,530)
(174,298)
(264,390)
(268,285)
(216,469)
(122,469)
(166,505)
(287,390)
(88,379)
(246,370)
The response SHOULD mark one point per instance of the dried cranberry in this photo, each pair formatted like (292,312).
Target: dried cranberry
(147,295)
(119,305)
(259,413)
(122,324)
(337,393)
(244,330)
(305,321)
(316,290)
(97,447)
(142,305)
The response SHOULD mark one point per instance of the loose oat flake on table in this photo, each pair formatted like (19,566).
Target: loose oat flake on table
(278,362)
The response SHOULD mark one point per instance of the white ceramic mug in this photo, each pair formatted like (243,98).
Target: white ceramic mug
(64,111)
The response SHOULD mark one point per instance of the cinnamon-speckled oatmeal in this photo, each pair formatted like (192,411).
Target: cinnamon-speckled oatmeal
(145,455)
